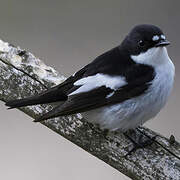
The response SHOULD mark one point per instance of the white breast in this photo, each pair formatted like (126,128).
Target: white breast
(134,112)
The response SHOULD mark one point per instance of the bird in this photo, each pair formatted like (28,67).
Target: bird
(119,90)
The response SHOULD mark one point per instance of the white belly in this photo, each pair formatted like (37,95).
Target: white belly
(136,111)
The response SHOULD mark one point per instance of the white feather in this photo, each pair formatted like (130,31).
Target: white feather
(163,36)
(136,111)
(92,82)
(110,94)
(155,38)
(155,57)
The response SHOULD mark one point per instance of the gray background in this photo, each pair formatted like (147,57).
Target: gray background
(67,35)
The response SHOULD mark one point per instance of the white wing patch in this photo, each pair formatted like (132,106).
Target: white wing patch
(92,82)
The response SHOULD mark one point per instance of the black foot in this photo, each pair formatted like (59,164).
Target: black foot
(96,127)
(140,143)
(105,133)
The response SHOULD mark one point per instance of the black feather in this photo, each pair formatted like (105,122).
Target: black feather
(54,94)
(116,62)
(98,97)
(46,97)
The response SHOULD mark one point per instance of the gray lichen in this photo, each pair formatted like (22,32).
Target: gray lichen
(22,75)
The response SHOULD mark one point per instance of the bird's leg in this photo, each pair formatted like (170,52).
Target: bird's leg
(139,142)
(136,144)
(148,140)
(105,133)
(96,127)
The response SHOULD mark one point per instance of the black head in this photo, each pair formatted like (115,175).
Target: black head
(143,37)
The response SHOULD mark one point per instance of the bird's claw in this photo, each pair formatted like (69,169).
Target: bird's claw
(140,144)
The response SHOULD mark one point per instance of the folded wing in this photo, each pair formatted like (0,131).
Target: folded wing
(79,101)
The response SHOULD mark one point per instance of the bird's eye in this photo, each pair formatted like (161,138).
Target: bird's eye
(141,43)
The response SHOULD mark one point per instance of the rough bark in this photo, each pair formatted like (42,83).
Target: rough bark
(22,75)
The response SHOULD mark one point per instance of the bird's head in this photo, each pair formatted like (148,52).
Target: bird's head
(145,44)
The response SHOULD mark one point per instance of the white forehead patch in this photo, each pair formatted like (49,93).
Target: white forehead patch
(155,38)
(163,36)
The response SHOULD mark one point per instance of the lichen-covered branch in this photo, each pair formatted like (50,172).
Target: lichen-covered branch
(22,75)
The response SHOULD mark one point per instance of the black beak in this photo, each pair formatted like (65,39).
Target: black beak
(162,43)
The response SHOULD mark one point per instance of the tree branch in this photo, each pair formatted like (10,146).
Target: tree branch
(22,75)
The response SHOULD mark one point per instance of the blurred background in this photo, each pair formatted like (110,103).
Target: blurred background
(66,35)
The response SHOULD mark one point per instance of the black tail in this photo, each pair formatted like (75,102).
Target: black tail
(49,96)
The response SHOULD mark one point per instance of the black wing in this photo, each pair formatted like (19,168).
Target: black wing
(113,63)
(54,94)
(102,64)
(143,75)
